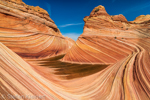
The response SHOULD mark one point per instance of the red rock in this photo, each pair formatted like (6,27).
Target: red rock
(141,19)
(124,46)
(119,18)
(109,61)
(29,31)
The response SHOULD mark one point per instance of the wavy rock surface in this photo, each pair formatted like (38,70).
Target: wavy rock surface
(124,46)
(29,31)
(109,61)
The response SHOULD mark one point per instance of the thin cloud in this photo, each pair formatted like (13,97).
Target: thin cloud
(73,36)
(66,25)
(113,0)
(48,8)
(136,8)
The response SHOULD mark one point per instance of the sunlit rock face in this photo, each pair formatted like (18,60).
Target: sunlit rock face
(109,61)
(124,46)
(29,31)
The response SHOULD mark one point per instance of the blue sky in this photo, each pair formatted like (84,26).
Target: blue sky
(68,14)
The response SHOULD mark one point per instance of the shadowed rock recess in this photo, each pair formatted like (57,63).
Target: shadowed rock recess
(109,61)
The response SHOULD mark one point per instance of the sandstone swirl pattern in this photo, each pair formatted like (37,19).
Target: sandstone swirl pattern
(29,31)
(124,46)
(109,61)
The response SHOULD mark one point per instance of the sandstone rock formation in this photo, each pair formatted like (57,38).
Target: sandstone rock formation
(109,61)
(29,31)
(124,46)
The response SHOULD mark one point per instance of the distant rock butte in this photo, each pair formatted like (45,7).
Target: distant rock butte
(109,61)
(100,23)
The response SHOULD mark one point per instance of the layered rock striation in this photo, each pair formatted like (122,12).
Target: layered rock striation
(124,47)
(29,31)
(109,61)
(104,35)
